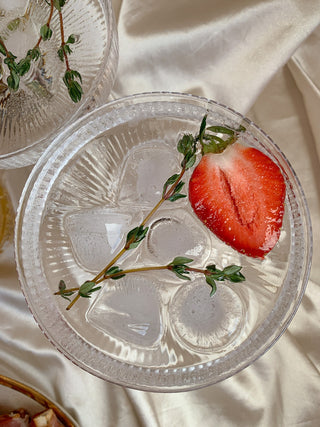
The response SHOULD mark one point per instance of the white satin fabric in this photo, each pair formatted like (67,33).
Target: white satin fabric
(262,58)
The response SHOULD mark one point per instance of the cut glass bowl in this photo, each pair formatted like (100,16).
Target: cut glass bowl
(31,117)
(150,331)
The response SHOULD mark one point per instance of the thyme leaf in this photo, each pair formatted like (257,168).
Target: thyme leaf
(87,288)
(135,236)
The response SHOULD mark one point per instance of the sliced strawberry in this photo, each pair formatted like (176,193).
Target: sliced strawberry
(239,195)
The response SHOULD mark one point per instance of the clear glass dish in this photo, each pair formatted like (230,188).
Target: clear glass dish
(150,331)
(31,117)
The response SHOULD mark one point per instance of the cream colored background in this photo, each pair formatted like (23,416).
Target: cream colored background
(263,59)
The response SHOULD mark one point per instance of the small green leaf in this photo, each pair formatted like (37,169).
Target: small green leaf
(45,32)
(180,260)
(114,270)
(67,49)
(185,144)
(58,4)
(24,66)
(203,127)
(34,53)
(221,129)
(10,61)
(170,181)
(2,49)
(62,287)
(237,277)
(179,187)
(87,288)
(135,236)
(13,80)
(76,75)
(175,197)
(231,269)
(75,91)
(211,283)
(180,272)
(60,54)
(214,138)
(190,160)
(71,39)
(216,274)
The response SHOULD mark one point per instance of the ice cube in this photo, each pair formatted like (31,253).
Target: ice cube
(177,233)
(129,310)
(96,234)
(206,322)
(144,173)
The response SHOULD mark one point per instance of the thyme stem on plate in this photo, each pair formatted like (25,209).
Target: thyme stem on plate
(178,266)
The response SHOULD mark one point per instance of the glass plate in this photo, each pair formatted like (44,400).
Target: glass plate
(31,117)
(150,331)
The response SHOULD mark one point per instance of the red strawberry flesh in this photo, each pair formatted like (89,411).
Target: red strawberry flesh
(239,195)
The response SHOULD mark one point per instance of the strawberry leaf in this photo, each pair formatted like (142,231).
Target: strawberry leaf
(221,129)
(202,128)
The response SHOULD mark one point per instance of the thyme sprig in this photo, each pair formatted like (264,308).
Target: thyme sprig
(178,266)
(72,78)
(187,145)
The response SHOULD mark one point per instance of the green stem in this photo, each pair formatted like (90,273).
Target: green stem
(165,197)
(135,270)
(73,302)
(4,46)
(63,41)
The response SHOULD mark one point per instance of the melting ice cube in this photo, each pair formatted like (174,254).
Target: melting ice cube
(204,322)
(177,233)
(129,310)
(145,171)
(96,234)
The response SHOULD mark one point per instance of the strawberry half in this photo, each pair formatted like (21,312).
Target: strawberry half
(239,195)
